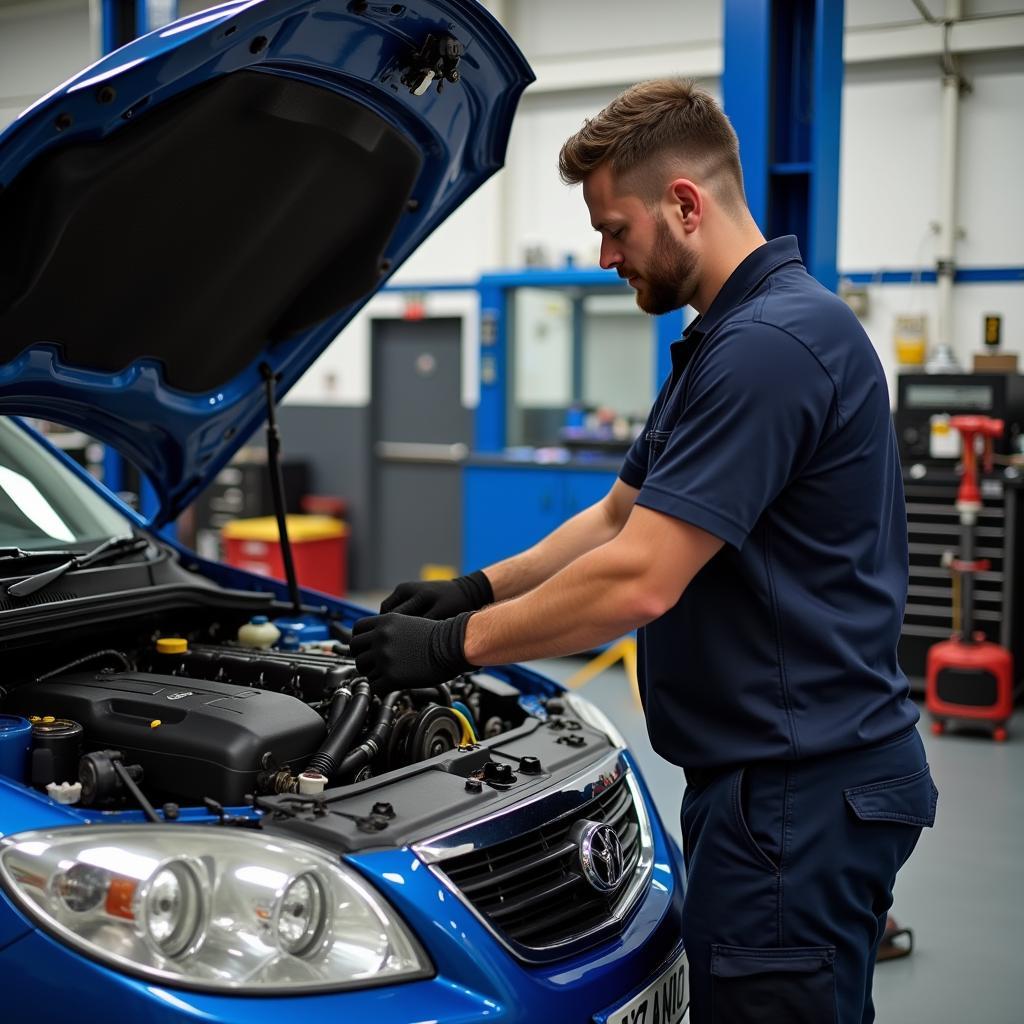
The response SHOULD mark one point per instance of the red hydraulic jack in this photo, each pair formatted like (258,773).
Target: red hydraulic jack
(969,678)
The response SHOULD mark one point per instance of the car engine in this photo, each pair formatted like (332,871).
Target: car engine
(196,715)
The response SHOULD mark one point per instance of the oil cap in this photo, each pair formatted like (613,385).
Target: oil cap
(171,645)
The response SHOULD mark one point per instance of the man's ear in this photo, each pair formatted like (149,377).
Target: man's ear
(687,203)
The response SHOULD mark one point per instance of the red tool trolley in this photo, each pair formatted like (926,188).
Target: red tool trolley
(969,678)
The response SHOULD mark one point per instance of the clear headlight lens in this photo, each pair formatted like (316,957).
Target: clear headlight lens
(210,909)
(596,718)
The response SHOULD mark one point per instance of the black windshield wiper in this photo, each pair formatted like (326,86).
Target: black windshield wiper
(20,555)
(112,547)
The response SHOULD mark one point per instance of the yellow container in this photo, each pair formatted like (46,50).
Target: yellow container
(319,550)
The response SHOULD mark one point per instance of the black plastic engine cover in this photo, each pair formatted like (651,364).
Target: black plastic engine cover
(210,738)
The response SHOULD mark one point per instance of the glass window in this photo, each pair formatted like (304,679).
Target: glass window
(576,354)
(43,504)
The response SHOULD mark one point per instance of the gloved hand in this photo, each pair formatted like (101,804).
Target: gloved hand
(398,652)
(440,599)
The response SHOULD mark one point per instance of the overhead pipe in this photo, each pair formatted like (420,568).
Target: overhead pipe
(943,356)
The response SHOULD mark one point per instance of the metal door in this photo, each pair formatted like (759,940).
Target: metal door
(421,434)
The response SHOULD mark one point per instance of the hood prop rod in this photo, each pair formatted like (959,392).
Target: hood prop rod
(277,488)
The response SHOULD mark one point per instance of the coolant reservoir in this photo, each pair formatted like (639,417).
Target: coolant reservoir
(259,631)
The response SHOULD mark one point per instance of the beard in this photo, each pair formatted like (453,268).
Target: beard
(671,277)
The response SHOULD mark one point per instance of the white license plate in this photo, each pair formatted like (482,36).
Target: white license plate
(664,1001)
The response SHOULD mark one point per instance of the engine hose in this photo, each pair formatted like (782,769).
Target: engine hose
(375,739)
(342,736)
(437,694)
(338,704)
(340,632)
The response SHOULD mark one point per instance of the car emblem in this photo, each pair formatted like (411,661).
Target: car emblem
(600,855)
(179,695)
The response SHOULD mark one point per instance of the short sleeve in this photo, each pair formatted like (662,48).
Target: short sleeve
(634,466)
(757,406)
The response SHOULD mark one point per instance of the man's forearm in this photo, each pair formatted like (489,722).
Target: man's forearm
(600,596)
(584,532)
(624,583)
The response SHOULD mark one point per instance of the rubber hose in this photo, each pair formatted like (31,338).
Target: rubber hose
(342,736)
(375,739)
(437,694)
(340,632)
(338,704)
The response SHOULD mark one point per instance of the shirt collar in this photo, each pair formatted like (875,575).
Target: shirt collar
(764,260)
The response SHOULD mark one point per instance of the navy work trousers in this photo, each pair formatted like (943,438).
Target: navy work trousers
(790,869)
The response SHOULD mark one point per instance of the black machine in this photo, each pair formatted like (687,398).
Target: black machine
(925,401)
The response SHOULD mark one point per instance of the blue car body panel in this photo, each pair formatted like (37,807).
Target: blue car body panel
(181,440)
(476,979)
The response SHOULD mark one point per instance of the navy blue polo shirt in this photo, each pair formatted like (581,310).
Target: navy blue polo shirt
(774,433)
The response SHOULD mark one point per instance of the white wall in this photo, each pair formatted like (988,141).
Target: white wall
(585,51)
(42,43)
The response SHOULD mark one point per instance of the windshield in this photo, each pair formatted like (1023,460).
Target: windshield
(43,504)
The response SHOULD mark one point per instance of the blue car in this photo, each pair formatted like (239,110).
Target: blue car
(204,812)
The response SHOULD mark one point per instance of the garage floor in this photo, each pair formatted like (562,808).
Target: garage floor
(962,892)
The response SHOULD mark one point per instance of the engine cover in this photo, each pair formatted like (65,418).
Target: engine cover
(211,736)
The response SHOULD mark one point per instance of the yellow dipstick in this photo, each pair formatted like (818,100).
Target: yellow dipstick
(468,736)
(155,723)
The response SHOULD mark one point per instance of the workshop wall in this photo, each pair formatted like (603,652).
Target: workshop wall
(42,43)
(585,51)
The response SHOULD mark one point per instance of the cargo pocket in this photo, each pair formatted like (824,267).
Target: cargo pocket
(794,985)
(910,799)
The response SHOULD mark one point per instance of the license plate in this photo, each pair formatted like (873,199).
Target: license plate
(664,1001)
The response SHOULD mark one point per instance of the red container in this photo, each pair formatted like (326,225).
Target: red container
(970,682)
(319,550)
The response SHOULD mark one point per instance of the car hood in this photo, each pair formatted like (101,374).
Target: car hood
(216,200)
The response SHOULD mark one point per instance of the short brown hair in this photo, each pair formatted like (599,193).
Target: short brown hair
(651,126)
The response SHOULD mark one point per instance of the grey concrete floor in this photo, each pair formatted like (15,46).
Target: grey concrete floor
(962,892)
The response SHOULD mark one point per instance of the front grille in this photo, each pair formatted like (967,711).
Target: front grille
(531,890)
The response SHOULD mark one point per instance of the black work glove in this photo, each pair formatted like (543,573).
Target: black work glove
(401,652)
(440,599)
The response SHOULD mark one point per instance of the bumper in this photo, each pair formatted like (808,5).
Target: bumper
(476,978)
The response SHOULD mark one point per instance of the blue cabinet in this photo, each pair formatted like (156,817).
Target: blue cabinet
(509,508)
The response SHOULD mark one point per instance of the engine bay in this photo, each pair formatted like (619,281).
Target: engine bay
(227,709)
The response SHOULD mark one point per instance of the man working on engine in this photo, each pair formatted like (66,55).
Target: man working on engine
(757,538)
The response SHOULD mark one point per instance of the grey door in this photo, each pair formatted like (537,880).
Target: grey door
(421,434)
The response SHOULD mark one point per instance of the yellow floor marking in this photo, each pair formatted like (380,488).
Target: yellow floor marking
(623,650)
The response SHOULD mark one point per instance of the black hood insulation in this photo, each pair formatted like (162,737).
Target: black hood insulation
(231,217)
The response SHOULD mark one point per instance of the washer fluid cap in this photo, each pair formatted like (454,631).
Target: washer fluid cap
(171,645)
(258,620)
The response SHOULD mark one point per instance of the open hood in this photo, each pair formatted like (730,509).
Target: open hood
(223,195)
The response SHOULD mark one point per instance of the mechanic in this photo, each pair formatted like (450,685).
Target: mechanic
(757,537)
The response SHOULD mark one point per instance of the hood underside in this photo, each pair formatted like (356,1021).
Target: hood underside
(220,223)
(222,196)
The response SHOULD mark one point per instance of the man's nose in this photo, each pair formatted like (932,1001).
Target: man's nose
(610,255)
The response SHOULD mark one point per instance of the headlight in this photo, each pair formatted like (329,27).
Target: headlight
(596,718)
(210,909)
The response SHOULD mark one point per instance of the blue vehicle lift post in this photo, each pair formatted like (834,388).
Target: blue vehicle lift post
(782,89)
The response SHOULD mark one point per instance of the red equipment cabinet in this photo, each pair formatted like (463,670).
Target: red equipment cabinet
(968,678)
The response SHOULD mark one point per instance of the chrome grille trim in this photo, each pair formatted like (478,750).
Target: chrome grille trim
(546,809)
